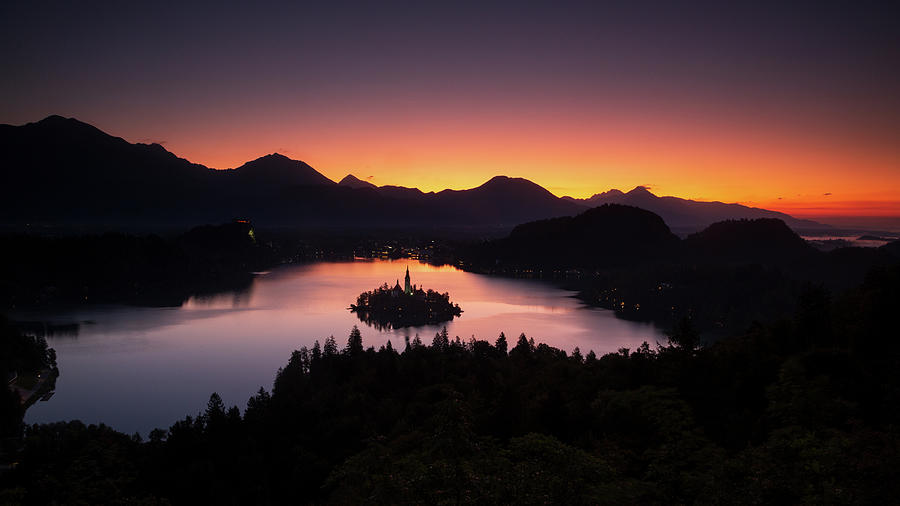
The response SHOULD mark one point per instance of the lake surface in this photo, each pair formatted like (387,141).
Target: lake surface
(136,369)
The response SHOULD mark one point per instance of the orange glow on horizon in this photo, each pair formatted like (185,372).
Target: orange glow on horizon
(764,157)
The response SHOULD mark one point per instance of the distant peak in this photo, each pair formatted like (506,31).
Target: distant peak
(354,182)
(279,168)
(607,194)
(640,190)
(506,183)
(506,180)
(274,159)
(60,125)
(54,118)
(350,178)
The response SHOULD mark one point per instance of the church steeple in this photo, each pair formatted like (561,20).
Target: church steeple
(407,288)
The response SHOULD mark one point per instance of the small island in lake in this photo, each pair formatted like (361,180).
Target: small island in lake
(410,306)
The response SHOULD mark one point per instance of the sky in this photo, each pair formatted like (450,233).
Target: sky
(790,106)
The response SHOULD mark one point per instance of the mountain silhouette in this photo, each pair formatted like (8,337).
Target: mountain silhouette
(277,169)
(352,181)
(509,200)
(62,171)
(608,235)
(404,193)
(689,215)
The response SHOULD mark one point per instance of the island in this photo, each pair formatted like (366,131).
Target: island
(388,308)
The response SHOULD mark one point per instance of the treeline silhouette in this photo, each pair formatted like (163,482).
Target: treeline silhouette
(20,355)
(128,269)
(799,410)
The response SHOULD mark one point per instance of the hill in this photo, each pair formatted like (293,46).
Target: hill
(277,170)
(508,201)
(764,240)
(608,235)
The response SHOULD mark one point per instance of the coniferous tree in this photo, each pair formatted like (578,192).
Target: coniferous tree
(501,344)
(215,409)
(330,348)
(354,342)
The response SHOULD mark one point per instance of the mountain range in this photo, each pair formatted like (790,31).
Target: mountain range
(685,215)
(65,172)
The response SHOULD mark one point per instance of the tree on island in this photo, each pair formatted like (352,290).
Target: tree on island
(394,307)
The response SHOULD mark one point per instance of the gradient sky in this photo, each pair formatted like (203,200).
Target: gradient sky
(790,107)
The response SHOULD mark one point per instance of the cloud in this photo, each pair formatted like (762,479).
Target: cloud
(828,194)
(369,177)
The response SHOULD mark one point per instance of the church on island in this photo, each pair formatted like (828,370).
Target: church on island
(409,305)
(407,288)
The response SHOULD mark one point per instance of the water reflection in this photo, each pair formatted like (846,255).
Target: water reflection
(141,368)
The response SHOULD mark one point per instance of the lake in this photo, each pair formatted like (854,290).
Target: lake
(137,368)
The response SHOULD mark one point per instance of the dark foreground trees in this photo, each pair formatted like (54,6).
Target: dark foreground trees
(771,416)
(23,359)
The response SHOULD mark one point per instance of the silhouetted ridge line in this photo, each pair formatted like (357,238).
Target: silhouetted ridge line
(61,171)
(690,215)
(277,169)
(354,182)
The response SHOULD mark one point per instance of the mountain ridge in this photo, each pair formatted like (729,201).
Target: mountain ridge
(62,170)
(352,181)
(691,215)
(275,169)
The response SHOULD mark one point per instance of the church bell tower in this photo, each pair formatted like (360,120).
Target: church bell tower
(407,288)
